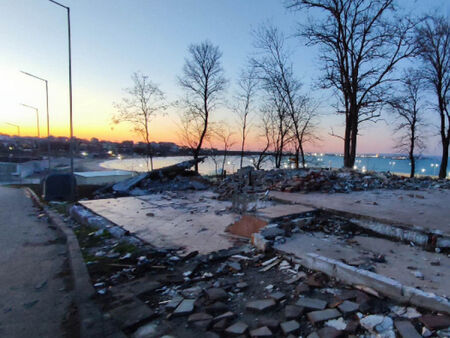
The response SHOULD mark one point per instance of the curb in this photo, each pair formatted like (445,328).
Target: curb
(92,323)
(382,284)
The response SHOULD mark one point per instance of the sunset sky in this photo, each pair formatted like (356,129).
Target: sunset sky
(113,39)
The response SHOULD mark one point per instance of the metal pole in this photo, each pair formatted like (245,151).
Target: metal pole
(15,125)
(70,82)
(48,116)
(37,117)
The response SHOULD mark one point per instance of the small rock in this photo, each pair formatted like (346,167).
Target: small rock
(261,332)
(261,305)
(329,332)
(185,307)
(292,311)
(237,328)
(215,294)
(312,303)
(406,329)
(338,324)
(435,322)
(348,307)
(290,327)
(320,316)
(199,316)
(278,295)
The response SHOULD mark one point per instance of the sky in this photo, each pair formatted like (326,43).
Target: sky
(113,39)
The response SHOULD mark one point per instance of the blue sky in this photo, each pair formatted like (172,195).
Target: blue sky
(112,39)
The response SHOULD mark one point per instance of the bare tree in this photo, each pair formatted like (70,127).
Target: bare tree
(224,135)
(203,82)
(264,128)
(247,88)
(433,41)
(407,109)
(144,100)
(360,49)
(275,71)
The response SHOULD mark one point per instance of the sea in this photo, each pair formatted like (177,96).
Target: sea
(425,165)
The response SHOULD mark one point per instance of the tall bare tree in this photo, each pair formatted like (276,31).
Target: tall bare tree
(143,101)
(203,81)
(275,71)
(408,110)
(247,88)
(265,128)
(362,41)
(433,40)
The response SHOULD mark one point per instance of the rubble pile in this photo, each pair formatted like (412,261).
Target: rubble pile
(322,180)
(152,292)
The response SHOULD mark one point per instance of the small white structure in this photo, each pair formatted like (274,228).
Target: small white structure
(102,177)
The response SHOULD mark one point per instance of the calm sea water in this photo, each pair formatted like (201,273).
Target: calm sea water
(424,166)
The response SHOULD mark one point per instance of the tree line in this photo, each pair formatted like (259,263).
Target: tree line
(363,46)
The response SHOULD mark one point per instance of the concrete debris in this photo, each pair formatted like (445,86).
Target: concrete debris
(338,324)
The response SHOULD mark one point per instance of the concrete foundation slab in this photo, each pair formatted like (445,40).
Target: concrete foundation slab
(191,220)
(427,209)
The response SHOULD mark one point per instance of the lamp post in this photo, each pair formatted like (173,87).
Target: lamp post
(70,81)
(15,125)
(48,118)
(37,117)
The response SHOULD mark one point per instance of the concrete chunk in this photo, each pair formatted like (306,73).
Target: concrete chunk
(290,327)
(312,303)
(406,329)
(348,307)
(237,329)
(261,332)
(185,307)
(320,316)
(261,305)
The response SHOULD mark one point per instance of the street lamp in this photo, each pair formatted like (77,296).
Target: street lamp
(48,119)
(37,117)
(15,125)
(70,82)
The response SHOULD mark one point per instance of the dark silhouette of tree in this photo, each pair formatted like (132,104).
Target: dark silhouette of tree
(361,41)
(203,82)
(247,88)
(433,41)
(144,100)
(408,110)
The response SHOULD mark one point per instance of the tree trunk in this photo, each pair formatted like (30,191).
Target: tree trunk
(347,143)
(297,157)
(302,152)
(444,160)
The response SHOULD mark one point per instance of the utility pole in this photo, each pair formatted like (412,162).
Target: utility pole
(37,117)
(70,82)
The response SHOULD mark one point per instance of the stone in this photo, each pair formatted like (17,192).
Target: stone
(261,305)
(301,288)
(312,303)
(234,266)
(215,294)
(386,325)
(226,315)
(290,327)
(293,311)
(348,307)
(173,303)
(329,332)
(338,324)
(216,308)
(146,331)
(313,335)
(242,285)
(131,314)
(270,322)
(369,322)
(260,242)
(220,325)
(435,322)
(321,316)
(185,307)
(278,295)
(406,329)
(237,328)
(199,316)
(261,332)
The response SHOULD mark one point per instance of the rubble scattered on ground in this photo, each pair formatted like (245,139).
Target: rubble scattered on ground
(322,180)
(152,292)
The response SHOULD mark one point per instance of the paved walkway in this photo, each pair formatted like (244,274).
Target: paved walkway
(34,296)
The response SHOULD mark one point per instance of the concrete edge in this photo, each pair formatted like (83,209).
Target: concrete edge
(382,284)
(92,323)
(392,229)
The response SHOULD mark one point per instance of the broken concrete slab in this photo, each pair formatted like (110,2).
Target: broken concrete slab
(289,327)
(261,332)
(406,329)
(237,329)
(215,294)
(348,307)
(260,305)
(435,322)
(276,212)
(131,314)
(312,303)
(321,316)
(293,311)
(186,307)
